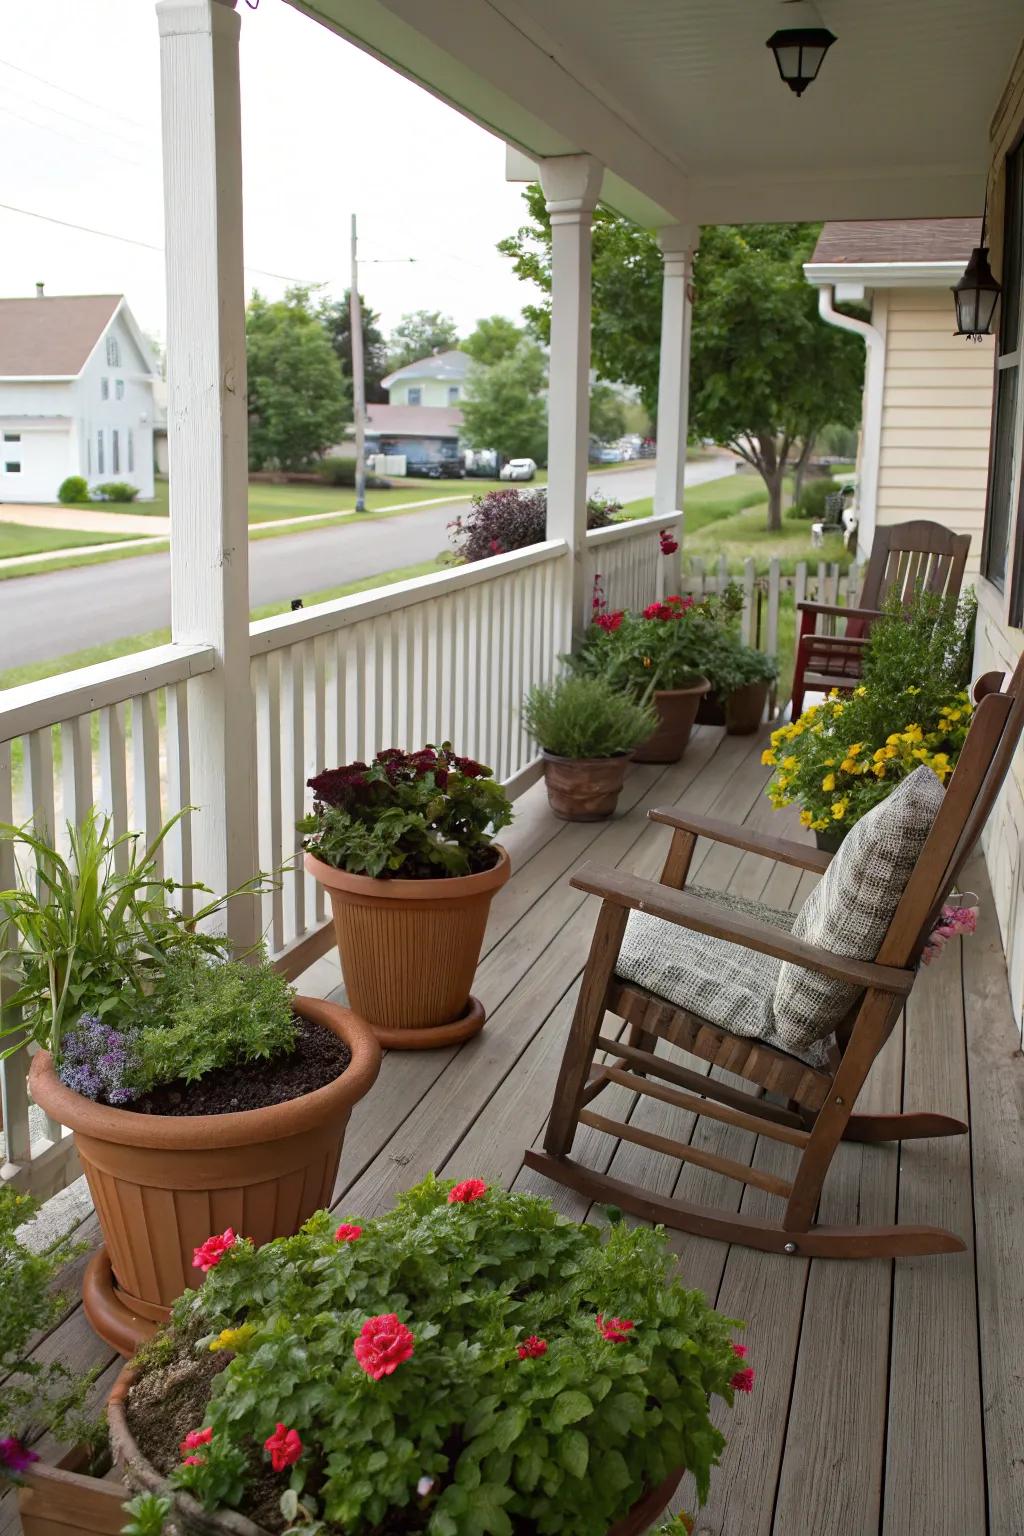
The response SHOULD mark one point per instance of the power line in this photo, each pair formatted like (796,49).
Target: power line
(63,133)
(145,245)
(99,106)
(83,122)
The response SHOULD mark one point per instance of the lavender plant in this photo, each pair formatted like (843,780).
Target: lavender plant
(100,1061)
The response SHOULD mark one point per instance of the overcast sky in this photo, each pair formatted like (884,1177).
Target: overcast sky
(327,131)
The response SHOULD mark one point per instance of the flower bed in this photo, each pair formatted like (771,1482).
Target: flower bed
(467,1363)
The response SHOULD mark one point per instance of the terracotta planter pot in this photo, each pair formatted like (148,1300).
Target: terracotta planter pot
(677,711)
(409,950)
(162,1184)
(63,1501)
(745,707)
(193,1519)
(584,788)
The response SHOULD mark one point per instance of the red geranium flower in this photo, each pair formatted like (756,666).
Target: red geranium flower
(14,1456)
(532,1348)
(668,543)
(615,1329)
(382,1345)
(609,622)
(743,1381)
(209,1254)
(466,1192)
(740,1351)
(470,768)
(347,1233)
(194,1439)
(194,1461)
(284,1446)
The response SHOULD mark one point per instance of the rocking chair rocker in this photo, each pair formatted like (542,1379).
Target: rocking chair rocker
(908,557)
(819,1113)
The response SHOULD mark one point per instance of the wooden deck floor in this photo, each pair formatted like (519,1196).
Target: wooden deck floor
(889,1397)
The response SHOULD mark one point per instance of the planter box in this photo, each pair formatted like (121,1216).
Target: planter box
(61,1501)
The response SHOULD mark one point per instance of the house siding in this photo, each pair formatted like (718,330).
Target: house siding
(936,414)
(432,391)
(999,644)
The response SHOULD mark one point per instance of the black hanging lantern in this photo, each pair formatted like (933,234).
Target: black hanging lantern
(800,51)
(976,295)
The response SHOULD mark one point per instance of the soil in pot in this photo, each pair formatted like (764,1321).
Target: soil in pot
(318,1058)
(677,712)
(744,709)
(584,788)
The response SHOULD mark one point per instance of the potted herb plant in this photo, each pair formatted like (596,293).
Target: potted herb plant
(742,678)
(468,1362)
(844,755)
(586,730)
(200,1090)
(405,848)
(655,657)
(45,1392)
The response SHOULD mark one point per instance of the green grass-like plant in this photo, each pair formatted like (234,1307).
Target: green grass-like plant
(584,717)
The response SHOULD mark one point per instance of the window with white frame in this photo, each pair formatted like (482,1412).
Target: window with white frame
(12,437)
(119,389)
(100,463)
(115,452)
(104,388)
(131,451)
(113,352)
(453,394)
(415,395)
(12,467)
(1004,470)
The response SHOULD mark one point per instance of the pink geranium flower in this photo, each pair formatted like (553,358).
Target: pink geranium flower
(284,1447)
(532,1348)
(194,1439)
(740,1351)
(466,1192)
(209,1254)
(382,1345)
(615,1329)
(347,1233)
(743,1381)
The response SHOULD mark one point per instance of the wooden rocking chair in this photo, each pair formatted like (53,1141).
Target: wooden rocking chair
(907,558)
(817,1111)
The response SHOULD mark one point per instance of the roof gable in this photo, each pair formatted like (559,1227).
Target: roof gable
(872,241)
(52,337)
(447,367)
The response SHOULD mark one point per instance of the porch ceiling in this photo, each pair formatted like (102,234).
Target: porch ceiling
(681,101)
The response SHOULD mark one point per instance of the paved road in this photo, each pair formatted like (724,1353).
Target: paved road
(65,611)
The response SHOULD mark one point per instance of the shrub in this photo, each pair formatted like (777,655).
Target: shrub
(117,490)
(842,757)
(586,717)
(811,506)
(337,470)
(504,520)
(407,815)
(74,488)
(737,664)
(467,1363)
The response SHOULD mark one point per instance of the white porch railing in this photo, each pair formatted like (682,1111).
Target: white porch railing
(627,557)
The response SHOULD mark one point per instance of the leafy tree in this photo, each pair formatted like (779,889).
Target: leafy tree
(334,315)
(504,407)
(607,413)
(766,372)
(494,338)
(418,335)
(298,400)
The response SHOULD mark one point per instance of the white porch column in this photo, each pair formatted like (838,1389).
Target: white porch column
(678,243)
(207,429)
(572,185)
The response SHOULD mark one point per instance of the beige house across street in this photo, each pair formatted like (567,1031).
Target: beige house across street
(927,393)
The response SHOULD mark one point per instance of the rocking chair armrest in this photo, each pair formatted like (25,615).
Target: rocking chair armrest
(625,890)
(781,849)
(839,610)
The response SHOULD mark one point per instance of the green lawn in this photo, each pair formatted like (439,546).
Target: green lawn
(20,539)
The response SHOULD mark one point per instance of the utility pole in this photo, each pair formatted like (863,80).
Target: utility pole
(358,380)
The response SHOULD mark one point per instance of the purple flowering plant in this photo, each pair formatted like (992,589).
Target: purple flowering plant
(100,1061)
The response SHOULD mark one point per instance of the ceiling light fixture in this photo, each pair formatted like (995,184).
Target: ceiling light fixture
(800,50)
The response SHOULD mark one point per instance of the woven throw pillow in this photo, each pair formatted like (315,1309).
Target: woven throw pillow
(850,909)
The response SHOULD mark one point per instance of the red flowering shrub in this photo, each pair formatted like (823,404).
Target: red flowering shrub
(407,815)
(383,1345)
(500,521)
(465,1358)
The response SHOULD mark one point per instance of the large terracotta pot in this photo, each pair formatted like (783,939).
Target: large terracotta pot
(161,1184)
(193,1520)
(584,788)
(677,711)
(744,709)
(409,950)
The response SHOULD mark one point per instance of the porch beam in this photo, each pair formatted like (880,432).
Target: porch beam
(572,185)
(207,430)
(678,244)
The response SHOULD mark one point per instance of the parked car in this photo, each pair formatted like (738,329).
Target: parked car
(608,454)
(518,469)
(450,467)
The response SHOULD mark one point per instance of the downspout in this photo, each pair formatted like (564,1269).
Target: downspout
(871,424)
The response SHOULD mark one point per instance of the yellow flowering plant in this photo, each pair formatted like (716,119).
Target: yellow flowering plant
(844,755)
